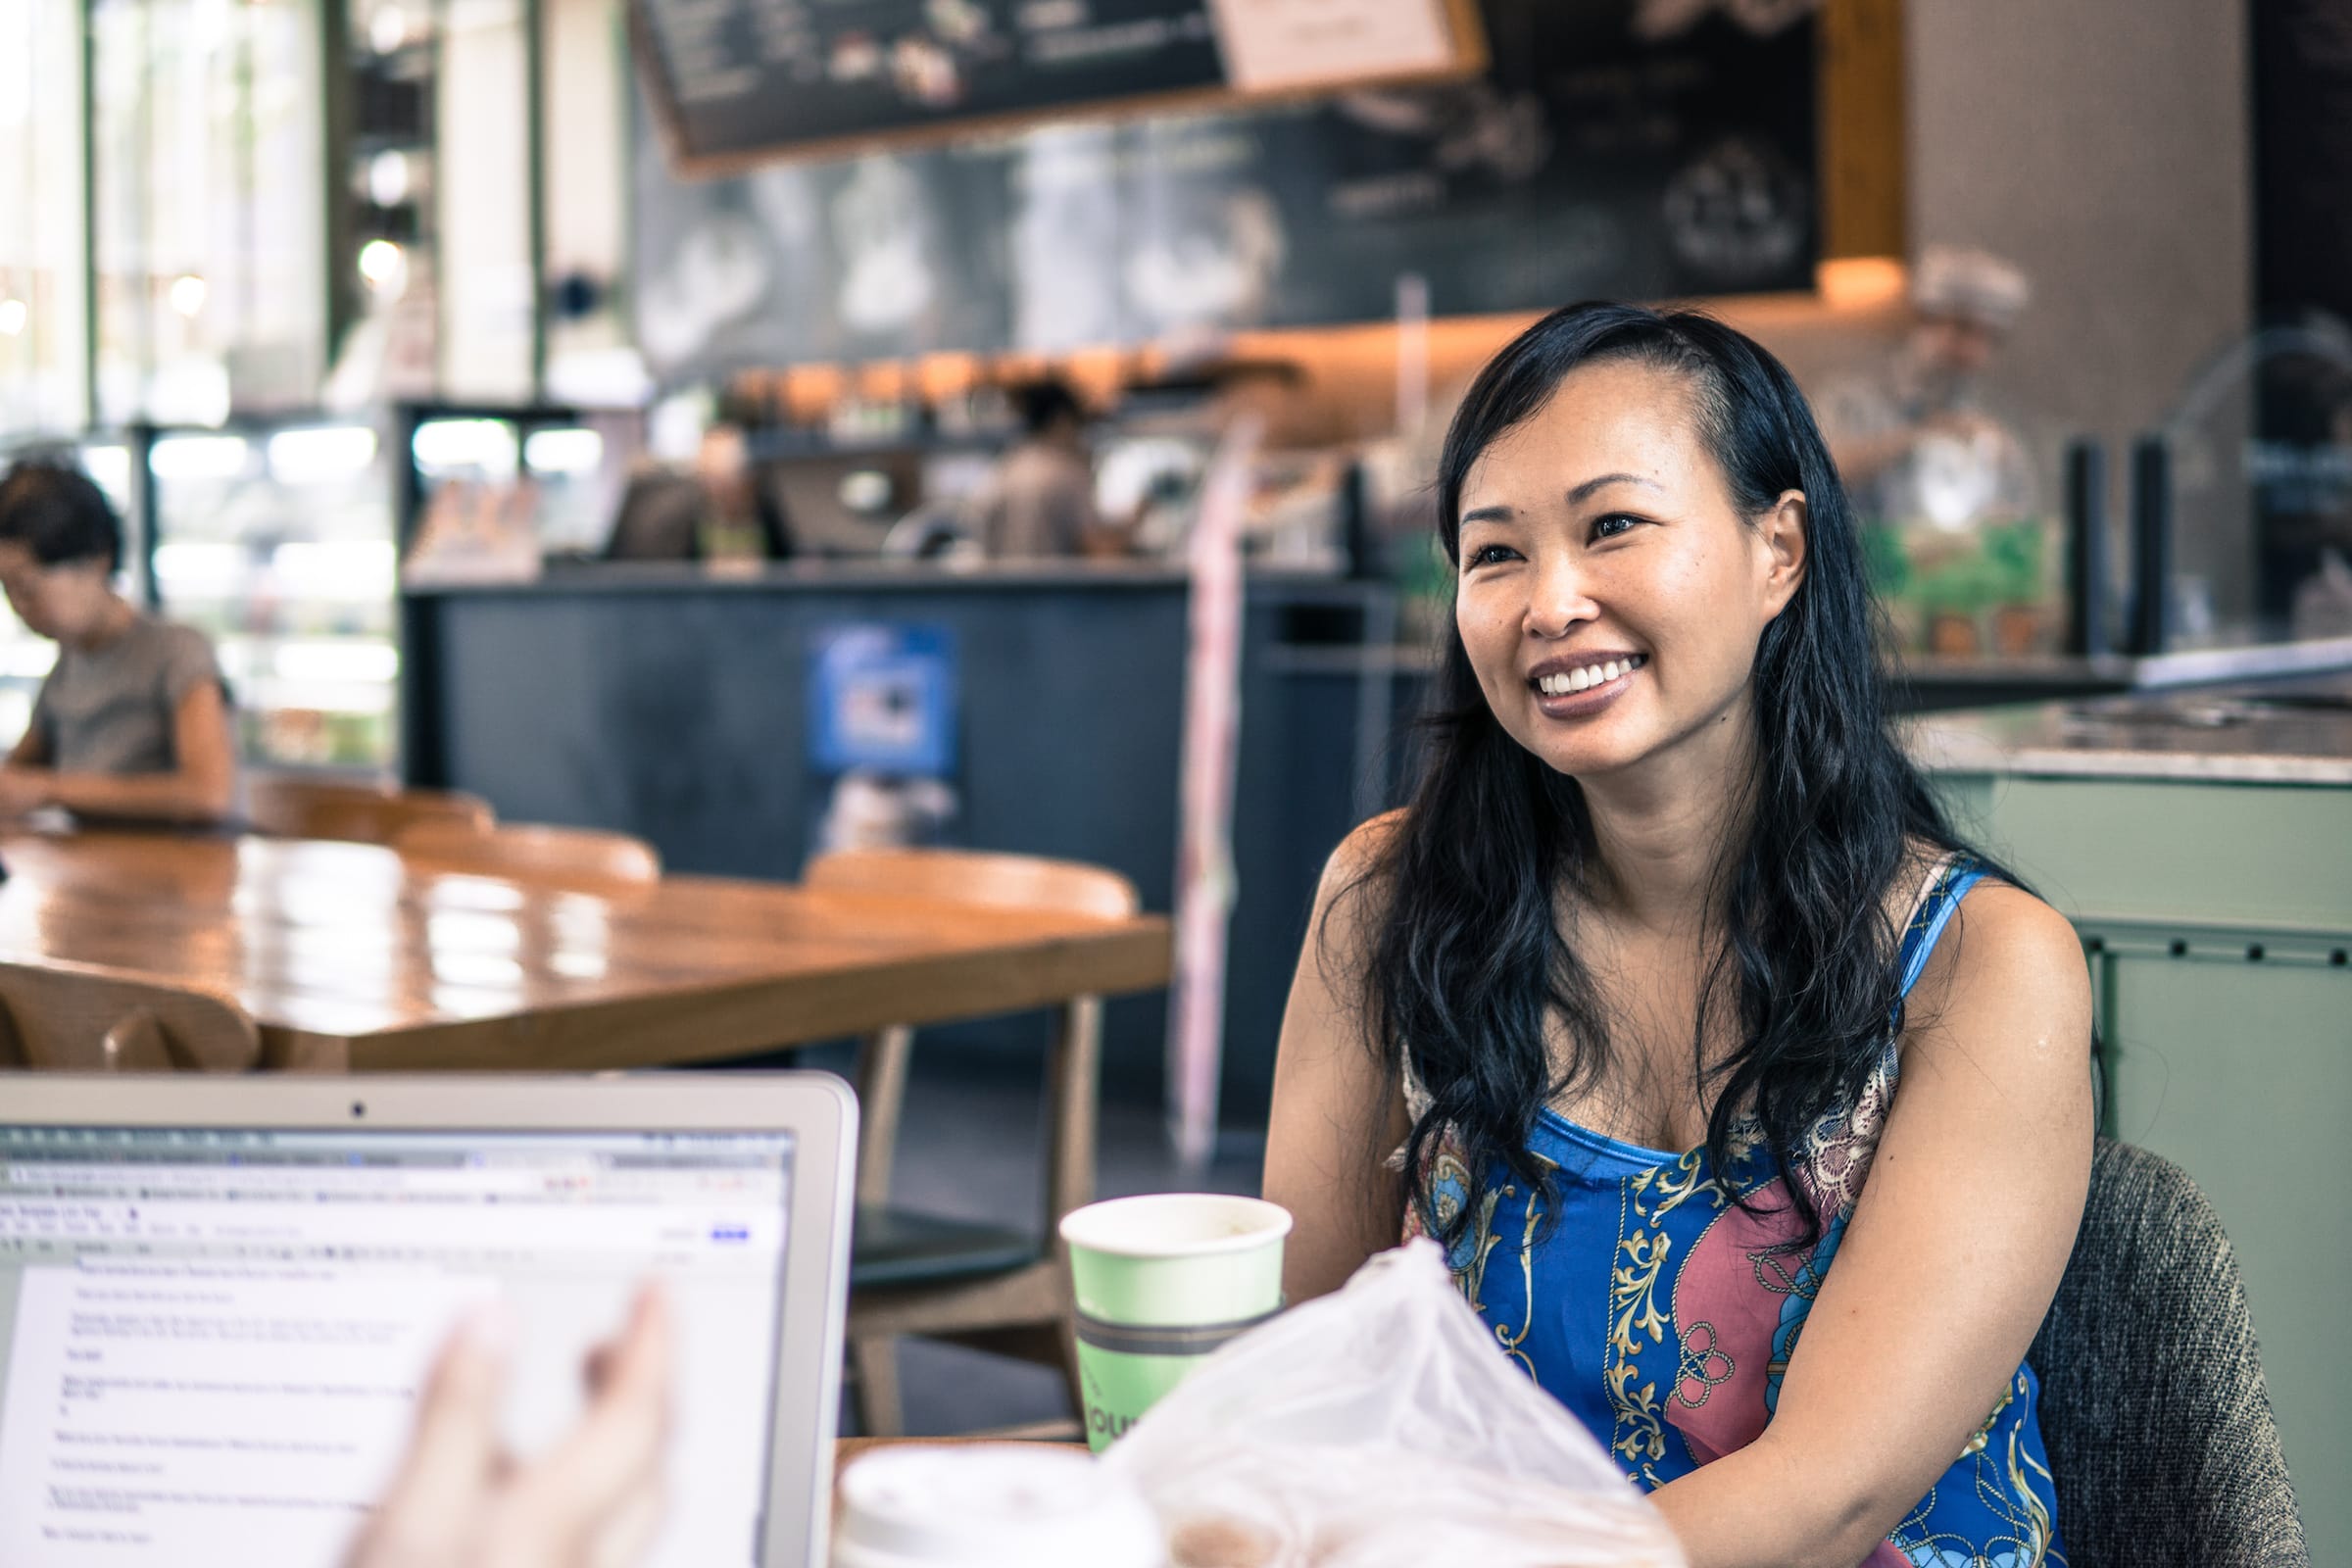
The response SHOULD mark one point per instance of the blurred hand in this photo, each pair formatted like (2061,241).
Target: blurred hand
(593,1501)
(23,790)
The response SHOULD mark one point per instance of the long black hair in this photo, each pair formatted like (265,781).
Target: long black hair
(1466,964)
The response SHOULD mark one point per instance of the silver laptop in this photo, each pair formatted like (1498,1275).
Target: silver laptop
(220,1296)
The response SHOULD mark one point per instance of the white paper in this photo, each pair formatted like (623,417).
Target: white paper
(1269,45)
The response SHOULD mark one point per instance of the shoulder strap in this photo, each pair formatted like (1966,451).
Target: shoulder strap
(1946,885)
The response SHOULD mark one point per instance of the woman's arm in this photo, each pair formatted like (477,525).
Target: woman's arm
(202,787)
(1337,1111)
(33,747)
(1947,1266)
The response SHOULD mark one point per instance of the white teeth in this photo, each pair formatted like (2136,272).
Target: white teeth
(1585,677)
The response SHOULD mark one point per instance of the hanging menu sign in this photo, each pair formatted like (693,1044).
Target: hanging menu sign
(1592,157)
(1291,45)
(739,82)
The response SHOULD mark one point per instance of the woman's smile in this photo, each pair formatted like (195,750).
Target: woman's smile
(1577,686)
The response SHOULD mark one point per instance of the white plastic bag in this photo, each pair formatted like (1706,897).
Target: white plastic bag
(1381,1427)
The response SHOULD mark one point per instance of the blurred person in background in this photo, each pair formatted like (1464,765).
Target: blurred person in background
(1945,487)
(1293,514)
(719,512)
(132,723)
(1040,501)
(1963,303)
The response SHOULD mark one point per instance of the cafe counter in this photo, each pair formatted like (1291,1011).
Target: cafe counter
(2201,842)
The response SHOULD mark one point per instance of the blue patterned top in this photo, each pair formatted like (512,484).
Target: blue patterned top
(1663,1315)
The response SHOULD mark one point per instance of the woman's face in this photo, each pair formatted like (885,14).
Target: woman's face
(1611,594)
(63,601)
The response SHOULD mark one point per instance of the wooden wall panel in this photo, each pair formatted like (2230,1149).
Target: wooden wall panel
(1864,156)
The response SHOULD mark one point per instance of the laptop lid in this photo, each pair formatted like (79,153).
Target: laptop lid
(219,1297)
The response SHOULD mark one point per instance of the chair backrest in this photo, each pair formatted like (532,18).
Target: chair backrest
(2153,1403)
(293,807)
(1072,1070)
(966,876)
(569,856)
(79,1017)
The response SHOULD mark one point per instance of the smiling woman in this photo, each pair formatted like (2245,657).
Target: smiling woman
(1618,1007)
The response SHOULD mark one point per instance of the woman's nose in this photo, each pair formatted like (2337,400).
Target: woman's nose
(1557,603)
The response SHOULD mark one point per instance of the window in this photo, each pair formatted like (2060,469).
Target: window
(43,272)
(210,230)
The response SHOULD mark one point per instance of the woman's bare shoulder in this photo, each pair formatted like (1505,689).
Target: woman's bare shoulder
(1353,897)
(2011,931)
(1362,856)
(2007,983)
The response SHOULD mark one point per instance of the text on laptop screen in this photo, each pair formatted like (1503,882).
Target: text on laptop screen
(214,1338)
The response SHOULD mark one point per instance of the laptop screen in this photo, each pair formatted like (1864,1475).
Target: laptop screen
(215,1339)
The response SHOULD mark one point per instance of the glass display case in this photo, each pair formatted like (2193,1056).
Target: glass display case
(544,482)
(278,541)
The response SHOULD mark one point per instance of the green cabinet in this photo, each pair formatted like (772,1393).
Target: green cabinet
(2218,920)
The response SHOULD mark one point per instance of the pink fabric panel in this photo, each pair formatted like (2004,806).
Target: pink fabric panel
(1728,1298)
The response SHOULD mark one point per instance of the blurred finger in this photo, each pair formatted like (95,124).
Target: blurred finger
(626,1538)
(452,1449)
(599,1367)
(628,1422)
(614,1457)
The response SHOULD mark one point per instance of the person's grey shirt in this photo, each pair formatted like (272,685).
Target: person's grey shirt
(111,709)
(1040,504)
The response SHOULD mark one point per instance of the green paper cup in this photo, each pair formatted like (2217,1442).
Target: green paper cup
(1161,1281)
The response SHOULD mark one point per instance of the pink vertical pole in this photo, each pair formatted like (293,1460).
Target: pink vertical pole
(1213,721)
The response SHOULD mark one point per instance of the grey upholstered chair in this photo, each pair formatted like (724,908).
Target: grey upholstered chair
(2152,1401)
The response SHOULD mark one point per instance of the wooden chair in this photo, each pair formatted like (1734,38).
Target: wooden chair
(287,805)
(997,1288)
(80,1017)
(574,857)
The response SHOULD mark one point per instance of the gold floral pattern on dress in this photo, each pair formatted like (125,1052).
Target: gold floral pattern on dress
(1449,1179)
(1509,1341)
(1635,1317)
(1975,1444)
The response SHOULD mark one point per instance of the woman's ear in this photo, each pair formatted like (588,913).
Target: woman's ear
(1781,550)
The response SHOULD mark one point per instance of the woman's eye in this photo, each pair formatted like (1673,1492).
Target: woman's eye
(1609,527)
(1492,555)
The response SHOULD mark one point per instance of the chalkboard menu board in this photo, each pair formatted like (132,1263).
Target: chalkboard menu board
(736,83)
(1598,154)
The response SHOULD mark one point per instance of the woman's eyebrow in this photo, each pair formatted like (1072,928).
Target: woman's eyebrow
(1585,492)
(1500,512)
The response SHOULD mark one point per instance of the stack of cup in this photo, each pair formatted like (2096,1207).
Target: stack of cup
(1161,1282)
(991,1505)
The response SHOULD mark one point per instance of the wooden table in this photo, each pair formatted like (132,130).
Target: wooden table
(351,962)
